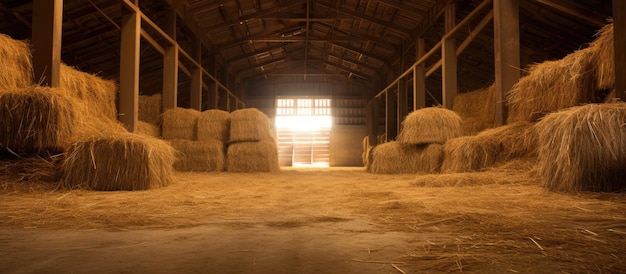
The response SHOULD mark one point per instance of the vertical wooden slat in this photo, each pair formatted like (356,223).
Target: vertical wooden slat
(403,104)
(195,99)
(373,133)
(419,77)
(507,52)
(619,25)
(170,65)
(129,69)
(449,60)
(391,124)
(46,39)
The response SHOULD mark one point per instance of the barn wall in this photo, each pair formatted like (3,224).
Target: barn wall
(346,145)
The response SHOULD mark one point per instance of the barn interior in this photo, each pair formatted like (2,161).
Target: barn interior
(312,136)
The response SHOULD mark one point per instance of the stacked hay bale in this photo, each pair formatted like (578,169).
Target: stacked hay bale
(584,148)
(149,112)
(419,148)
(582,77)
(490,147)
(78,119)
(15,61)
(477,109)
(252,146)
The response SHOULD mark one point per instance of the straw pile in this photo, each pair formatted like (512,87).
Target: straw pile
(214,124)
(150,108)
(98,95)
(395,158)
(199,156)
(476,109)
(430,125)
(604,56)
(584,148)
(249,125)
(15,61)
(180,123)
(148,129)
(36,119)
(31,169)
(261,156)
(490,147)
(118,162)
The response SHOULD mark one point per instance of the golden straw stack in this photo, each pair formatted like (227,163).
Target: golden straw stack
(199,156)
(150,108)
(180,123)
(15,61)
(584,148)
(394,158)
(252,146)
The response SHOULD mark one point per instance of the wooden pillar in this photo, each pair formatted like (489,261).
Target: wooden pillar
(129,68)
(195,94)
(46,39)
(403,104)
(507,52)
(619,25)
(391,113)
(170,66)
(419,77)
(449,75)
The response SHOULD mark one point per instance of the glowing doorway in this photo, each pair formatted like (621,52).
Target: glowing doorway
(303,131)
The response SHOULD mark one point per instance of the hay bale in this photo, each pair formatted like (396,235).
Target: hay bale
(603,58)
(584,148)
(148,129)
(554,85)
(249,125)
(118,162)
(180,123)
(476,109)
(98,95)
(395,158)
(36,119)
(259,156)
(214,124)
(430,125)
(16,64)
(150,108)
(490,147)
(198,156)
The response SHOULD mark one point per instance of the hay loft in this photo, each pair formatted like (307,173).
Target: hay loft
(430,125)
(584,148)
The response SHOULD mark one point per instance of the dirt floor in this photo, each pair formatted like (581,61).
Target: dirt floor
(338,220)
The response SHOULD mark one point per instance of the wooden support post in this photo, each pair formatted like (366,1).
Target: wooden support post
(391,113)
(619,25)
(170,65)
(448,56)
(195,94)
(46,39)
(403,102)
(419,77)
(507,52)
(129,69)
